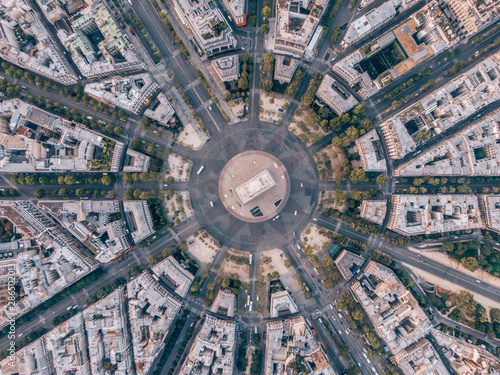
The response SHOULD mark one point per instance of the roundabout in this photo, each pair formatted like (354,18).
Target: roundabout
(257,188)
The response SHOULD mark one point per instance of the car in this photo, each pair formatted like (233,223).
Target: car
(478,281)
(301,184)
(298,255)
(10,253)
(211,203)
(20,335)
(305,264)
(295,213)
(298,246)
(69,308)
(315,219)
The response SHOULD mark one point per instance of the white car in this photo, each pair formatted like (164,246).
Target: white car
(295,213)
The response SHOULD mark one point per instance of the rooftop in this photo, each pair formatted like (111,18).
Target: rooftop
(373,210)
(284,68)
(175,275)
(473,151)
(427,214)
(443,108)
(94,223)
(160,110)
(282,303)
(348,264)
(139,219)
(35,49)
(213,350)
(38,141)
(334,95)
(227,68)
(394,312)
(210,28)
(294,26)
(371,152)
(224,303)
(97,44)
(57,262)
(132,93)
(288,339)
(152,310)
(108,333)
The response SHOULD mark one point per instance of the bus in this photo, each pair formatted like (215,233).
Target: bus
(201,169)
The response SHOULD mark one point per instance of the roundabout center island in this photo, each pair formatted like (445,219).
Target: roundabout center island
(254,186)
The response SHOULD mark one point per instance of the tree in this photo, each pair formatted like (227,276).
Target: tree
(63,193)
(373,339)
(464,301)
(43,181)
(268,62)
(495,314)
(357,315)
(225,283)
(327,261)
(118,130)
(80,192)
(264,29)
(243,83)
(170,180)
(448,247)
(339,197)
(144,195)
(39,193)
(106,180)
(335,34)
(195,287)
(69,179)
(381,179)
(470,263)
(136,144)
(266,12)
(357,175)
(359,110)
(170,193)
(267,85)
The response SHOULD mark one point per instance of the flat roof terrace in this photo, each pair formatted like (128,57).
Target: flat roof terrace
(254,186)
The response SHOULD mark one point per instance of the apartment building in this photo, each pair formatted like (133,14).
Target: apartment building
(292,341)
(132,93)
(139,219)
(284,68)
(371,152)
(295,28)
(38,141)
(398,320)
(96,58)
(152,311)
(335,96)
(39,52)
(373,210)
(428,214)
(212,34)
(175,275)
(213,350)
